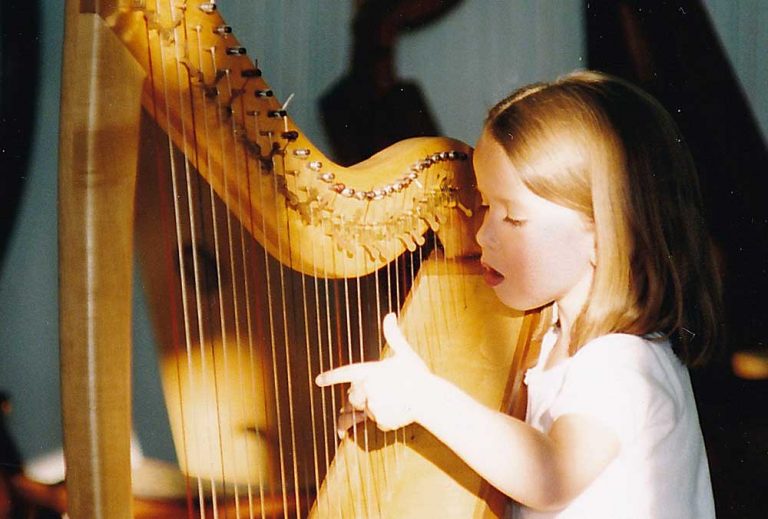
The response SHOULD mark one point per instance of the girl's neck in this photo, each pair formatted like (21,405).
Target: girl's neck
(568,307)
(560,350)
(562,318)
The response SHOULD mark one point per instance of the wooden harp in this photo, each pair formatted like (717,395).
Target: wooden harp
(265,264)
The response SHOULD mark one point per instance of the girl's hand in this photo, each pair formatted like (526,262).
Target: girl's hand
(389,391)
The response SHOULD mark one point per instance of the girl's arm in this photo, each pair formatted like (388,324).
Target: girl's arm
(543,471)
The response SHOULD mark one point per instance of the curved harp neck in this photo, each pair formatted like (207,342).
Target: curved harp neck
(210,98)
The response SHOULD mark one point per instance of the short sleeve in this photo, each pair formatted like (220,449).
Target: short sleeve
(616,380)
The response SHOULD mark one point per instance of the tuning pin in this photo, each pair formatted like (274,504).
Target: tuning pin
(208,7)
(250,73)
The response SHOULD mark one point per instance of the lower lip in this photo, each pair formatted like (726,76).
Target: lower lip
(491,277)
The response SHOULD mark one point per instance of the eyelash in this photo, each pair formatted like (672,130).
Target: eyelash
(513,221)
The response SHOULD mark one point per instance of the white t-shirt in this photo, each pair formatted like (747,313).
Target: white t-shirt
(640,389)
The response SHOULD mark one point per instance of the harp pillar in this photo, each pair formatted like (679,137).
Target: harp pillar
(100,109)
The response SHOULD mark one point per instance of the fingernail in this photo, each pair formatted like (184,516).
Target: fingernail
(342,434)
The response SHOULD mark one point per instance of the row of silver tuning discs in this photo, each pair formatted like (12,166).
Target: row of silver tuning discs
(395,187)
(350,192)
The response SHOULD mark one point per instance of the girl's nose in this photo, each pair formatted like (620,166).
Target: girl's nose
(485,236)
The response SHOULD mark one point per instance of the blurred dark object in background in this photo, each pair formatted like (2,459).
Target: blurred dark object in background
(371,108)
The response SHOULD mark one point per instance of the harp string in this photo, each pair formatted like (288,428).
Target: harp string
(313,477)
(340,335)
(287,348)
(322,350)
(273,349)
(214,224)
(329,326)
(380,348)
(255,324)
(208,344)
(321,367)
(205,341)
(270,331)
(290,314)
(225,332)
(194,221)
(371,468)
(376,457)
(272,325)
(372,458)
(180,257)
(310,351)
(169,259)
(351,355)
(224,136)
(233,94)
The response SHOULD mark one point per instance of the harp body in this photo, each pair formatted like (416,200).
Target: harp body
(265,264)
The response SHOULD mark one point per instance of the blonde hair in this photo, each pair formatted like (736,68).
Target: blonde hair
(601,146)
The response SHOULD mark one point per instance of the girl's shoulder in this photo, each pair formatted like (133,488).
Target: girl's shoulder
(637,372)
(621,351)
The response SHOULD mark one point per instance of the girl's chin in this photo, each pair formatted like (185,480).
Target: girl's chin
(514,301)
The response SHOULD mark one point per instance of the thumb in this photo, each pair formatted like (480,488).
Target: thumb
(395,338)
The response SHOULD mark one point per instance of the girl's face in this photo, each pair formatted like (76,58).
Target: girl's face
(534,251)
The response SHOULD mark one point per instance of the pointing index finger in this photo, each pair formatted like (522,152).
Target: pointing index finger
(344,374)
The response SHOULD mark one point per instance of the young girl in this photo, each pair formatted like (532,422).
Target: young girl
(592,211)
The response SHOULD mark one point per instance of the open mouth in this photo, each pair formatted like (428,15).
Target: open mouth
(492,277)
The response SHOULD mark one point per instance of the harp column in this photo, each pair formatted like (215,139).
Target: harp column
(100,109)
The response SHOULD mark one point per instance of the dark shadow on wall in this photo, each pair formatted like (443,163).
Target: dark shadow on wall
(19,71)
(371,107)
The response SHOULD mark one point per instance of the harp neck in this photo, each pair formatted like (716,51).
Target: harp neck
(211,99)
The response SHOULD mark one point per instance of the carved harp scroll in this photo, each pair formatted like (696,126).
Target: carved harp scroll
(231,155)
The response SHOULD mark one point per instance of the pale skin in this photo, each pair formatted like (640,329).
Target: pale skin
(550,251)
